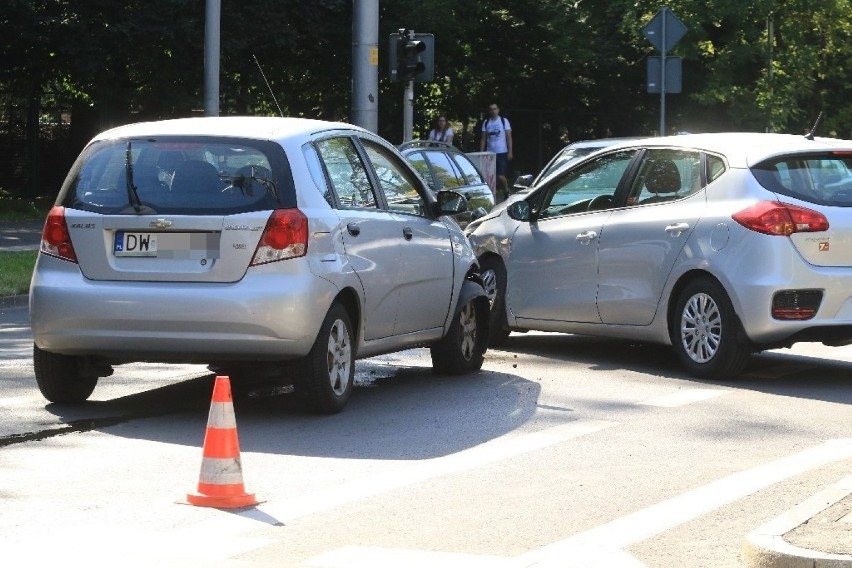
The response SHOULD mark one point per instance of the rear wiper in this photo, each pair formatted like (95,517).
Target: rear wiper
(132,194)
(240,182)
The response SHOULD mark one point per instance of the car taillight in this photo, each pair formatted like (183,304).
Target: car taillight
(285,236)
(796,305)
(55,238)
(776,218)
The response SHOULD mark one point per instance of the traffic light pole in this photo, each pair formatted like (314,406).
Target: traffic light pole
(408,112)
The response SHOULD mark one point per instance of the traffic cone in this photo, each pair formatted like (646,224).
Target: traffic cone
(221,481)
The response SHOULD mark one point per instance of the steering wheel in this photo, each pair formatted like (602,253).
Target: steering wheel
(599,202)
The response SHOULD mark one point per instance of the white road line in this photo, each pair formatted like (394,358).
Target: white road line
(630,529)
(489,452)
(683,397)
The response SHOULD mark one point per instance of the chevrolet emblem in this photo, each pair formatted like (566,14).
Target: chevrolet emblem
(160,224)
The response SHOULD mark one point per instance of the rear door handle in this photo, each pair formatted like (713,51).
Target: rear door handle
(353,229)
(675,229)
(406,232)
(586,237)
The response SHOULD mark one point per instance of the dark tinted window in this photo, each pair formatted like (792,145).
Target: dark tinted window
(180,176)
(824,179)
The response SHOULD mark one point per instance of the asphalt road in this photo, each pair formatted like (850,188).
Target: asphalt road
(563,451)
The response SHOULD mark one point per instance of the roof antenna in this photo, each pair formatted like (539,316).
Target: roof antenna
(810,135)
(270,88)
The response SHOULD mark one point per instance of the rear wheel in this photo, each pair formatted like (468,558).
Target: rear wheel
(706,333)
(328,372)
(462,349)
(59,378)
(494,282)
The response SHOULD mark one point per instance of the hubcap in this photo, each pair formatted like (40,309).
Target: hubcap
(467,322)
(701,328)
(489,284)
(339,357)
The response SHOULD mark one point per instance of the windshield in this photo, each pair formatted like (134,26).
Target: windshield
(177,176)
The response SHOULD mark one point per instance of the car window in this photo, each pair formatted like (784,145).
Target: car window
(468,170)
(447,174)
(715,168)
(666,175)
(587,188)
(181,175)
(418,160)
(824,179)
(315,168)
(346,172)
(397,182)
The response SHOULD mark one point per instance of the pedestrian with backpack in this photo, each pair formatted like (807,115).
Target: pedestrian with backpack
(497,138)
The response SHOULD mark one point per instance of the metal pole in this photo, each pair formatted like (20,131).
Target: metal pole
(408,112)
(365,64)
(663,76)
(213,11)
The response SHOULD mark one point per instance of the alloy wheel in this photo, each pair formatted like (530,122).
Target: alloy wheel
(701,328)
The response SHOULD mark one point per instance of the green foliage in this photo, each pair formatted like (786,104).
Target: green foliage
(567,69)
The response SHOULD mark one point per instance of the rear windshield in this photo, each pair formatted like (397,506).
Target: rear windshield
(824,179)
(179,175)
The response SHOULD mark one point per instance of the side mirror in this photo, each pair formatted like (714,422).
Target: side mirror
(478,213)
(451,202)
(523,182)
(519,210)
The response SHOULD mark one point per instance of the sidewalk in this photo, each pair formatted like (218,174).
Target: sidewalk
(815,534)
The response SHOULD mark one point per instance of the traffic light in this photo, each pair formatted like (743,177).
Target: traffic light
(408,51)
(411,56)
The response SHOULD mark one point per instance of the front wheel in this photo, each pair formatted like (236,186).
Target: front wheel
(327,373)
(462,349)
(706,333)
(59,378)
(494,283)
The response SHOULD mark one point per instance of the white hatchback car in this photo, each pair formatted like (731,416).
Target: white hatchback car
(256,246)
(718,244)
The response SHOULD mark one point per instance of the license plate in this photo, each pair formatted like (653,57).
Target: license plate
(135,244)
(178,246)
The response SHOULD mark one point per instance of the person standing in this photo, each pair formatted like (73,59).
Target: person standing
(441,131)
(497,138)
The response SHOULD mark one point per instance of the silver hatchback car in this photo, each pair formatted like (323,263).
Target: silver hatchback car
(263,247)
(720,245)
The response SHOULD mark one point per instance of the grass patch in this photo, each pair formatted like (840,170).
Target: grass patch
(16,270)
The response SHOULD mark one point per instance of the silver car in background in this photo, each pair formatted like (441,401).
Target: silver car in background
(720,245)
(262,247)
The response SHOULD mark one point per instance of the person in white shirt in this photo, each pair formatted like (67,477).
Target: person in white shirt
(441,131)
(497,138)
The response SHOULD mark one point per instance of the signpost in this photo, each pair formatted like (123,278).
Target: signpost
(664,31)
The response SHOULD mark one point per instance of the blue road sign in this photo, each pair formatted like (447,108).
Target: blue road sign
(664,24)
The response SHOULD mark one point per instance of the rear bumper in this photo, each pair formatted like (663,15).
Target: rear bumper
(265,316)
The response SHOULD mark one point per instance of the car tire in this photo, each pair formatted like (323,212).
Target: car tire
(494,282)
(462,350)
(706,332)
(59,378)
(327,373)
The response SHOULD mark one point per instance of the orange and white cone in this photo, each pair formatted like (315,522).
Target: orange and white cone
(221,481)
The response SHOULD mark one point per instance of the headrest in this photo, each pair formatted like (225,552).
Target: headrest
(663,177)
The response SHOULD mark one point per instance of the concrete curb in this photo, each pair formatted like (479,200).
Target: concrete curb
(7,302)
(766,547)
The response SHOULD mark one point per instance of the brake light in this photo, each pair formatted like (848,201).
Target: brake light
(285,236)
(776,218)
(55,238)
